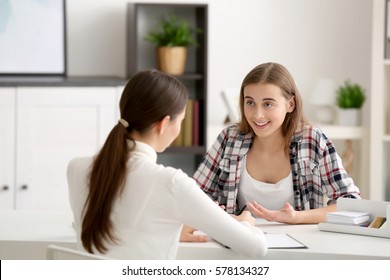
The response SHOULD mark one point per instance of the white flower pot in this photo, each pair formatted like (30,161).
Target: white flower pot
(349,117)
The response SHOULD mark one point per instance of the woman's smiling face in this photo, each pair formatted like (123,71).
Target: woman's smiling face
(265,108)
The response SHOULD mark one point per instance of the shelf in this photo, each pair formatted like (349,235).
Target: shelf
(60,81)
(142,18)
(190,76)
(195,150)
(378,154)
(335,132)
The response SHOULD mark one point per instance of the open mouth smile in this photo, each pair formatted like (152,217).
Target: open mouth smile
(261,124)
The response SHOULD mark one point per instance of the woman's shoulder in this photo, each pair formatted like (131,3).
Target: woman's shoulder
(309,131)
(311,134)
(77,173)
(234,132)
(168,172)
(79,164)
(231,141)
(173,178)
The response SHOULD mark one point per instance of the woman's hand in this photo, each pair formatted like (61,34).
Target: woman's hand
(187,232)
(286,214)
(187,235)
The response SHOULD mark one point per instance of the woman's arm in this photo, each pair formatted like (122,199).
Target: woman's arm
(197,210)
(288,215)
(335,181)
(207,172)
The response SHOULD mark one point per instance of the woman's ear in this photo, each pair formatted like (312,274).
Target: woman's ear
(161,125)
(291,104)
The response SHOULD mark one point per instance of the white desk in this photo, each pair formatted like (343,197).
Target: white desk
(26,235)
(321,245)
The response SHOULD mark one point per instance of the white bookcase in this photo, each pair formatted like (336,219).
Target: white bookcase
(380,104)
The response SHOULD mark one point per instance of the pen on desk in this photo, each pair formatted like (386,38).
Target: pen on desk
(242,210)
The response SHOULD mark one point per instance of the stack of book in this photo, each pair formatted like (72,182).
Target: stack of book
(348,217)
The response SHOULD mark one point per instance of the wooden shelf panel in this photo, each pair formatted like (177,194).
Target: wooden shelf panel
(335,132)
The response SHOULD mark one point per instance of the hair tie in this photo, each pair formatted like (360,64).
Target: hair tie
(124,123)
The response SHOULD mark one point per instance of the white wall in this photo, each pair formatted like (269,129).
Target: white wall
(312,38)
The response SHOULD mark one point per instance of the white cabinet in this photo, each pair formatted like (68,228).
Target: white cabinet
(380,105)
(53,125)
(7,147)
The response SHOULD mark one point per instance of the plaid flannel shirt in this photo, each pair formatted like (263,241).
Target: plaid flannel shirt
(316,168)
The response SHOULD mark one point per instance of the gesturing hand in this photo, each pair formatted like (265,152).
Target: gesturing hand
(284,215)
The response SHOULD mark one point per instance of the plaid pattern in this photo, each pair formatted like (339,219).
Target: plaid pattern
(316,169)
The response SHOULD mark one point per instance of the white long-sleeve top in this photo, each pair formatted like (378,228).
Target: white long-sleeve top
(155,203)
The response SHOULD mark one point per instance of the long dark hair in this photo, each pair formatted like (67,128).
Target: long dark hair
(278,75)
(148,97)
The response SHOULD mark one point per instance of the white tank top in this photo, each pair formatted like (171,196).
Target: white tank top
(270,196)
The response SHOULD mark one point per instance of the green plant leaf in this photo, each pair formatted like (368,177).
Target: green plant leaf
(173,31)
(350,95)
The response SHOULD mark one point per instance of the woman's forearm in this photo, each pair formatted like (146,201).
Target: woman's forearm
(313,216)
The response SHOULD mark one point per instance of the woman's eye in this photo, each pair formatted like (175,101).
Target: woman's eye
(268,105)
(250,103)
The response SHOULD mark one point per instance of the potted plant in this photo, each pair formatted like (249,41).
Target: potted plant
(172,38)
(350,98)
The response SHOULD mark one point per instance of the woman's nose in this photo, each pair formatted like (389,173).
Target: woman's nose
(258,113)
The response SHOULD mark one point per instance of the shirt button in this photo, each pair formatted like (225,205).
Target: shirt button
(295,173)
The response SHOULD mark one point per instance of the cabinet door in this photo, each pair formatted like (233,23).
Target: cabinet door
(7,147)
(55,125)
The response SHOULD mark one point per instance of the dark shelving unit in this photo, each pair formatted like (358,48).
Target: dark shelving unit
(142,18)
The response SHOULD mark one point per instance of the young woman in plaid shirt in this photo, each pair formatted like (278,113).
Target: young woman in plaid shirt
(273,161)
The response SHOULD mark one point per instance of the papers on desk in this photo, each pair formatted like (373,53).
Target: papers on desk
(347,217)
(282,241)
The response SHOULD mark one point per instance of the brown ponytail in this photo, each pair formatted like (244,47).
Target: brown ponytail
(148,97)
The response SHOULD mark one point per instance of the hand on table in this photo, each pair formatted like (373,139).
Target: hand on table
(284,215)
(187,235)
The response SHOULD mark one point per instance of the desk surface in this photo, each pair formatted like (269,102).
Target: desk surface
(26,235)
(321,245)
